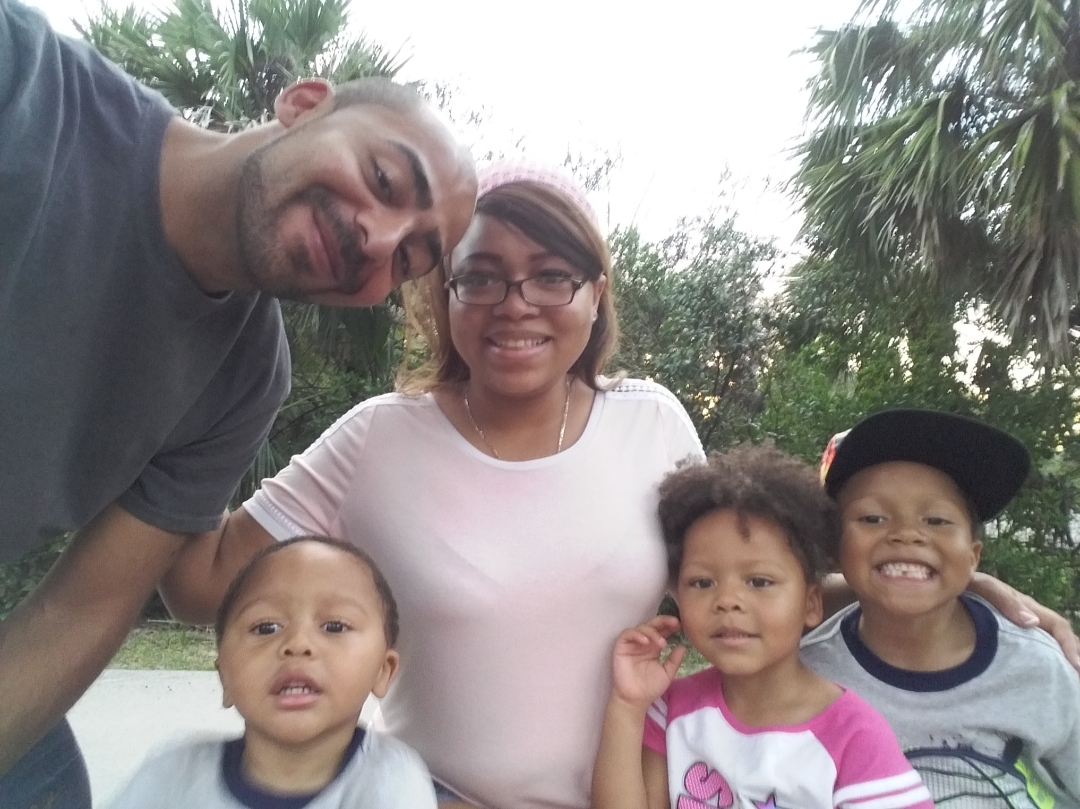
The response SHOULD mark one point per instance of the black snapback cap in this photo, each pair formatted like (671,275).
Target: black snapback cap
(989,465)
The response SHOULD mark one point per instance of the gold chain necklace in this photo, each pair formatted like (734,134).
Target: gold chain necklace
(490,446)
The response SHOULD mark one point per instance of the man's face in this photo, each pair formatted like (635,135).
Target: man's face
(348,204)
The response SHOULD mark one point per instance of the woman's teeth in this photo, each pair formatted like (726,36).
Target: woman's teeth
(531,342)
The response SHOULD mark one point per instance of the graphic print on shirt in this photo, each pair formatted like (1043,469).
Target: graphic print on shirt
(705,788)
(961,777)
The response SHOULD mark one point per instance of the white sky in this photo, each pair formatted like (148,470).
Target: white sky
(682,89)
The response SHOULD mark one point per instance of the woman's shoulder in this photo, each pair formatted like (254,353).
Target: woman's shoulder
(385,402)
(354,423)
(628,389)
(644,393)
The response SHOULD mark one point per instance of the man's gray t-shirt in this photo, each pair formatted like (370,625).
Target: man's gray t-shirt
(997,731)
(120,380)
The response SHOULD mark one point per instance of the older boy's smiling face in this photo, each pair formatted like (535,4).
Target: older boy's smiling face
(907,546)
(304,646)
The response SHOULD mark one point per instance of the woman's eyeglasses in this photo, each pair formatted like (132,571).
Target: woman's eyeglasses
(481,289)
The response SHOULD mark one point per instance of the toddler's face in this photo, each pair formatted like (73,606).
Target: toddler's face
(305,646)
(742,593)
(907,545)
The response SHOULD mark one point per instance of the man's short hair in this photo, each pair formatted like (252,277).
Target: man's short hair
(236,588)
(382,92)
(753,481)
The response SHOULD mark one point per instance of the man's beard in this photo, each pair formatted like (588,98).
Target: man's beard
(275,270)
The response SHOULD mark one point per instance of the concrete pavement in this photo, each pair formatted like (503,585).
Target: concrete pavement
(127,714)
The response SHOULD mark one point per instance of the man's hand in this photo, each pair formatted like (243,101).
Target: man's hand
(639,676)
(64,633)
(1024,610)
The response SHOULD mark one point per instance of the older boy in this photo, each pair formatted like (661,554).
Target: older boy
(987,712)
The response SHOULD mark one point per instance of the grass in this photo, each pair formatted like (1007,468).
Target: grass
(167,645)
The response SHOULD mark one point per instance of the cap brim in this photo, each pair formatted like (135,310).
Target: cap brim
(988,464)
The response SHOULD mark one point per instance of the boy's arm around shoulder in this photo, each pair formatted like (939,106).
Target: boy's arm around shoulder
(196,582)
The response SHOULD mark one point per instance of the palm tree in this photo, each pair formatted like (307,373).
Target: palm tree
(950,147)
(224,72)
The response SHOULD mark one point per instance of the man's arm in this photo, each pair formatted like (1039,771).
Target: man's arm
(193,587)
(64,633)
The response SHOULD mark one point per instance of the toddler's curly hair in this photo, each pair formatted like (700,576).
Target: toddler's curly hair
(759,481)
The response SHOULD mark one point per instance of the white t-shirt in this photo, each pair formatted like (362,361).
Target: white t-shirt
(381,773)
(513,578)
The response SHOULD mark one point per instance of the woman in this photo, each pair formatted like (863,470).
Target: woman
(510,502)
(508,497)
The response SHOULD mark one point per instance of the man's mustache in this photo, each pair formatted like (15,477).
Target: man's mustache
(353,257)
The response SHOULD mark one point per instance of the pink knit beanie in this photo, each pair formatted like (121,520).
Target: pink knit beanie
(518,169)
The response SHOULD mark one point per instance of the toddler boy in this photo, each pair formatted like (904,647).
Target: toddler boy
(987,712)
(305,633)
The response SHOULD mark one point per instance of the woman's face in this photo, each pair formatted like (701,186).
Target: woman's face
(515,348)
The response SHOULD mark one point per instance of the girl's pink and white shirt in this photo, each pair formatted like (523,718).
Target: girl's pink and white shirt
(846,757)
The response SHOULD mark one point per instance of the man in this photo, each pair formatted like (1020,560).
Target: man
(141,360)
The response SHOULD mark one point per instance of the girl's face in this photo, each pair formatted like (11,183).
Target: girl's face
(743,597)
(515,348)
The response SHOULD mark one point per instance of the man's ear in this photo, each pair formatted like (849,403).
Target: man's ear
(302,97)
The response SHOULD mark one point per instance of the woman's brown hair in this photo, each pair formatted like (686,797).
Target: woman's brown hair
(547,217)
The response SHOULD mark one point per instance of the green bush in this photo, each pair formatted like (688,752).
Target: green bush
(18,578)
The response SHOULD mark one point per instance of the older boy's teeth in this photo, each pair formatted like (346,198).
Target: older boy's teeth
(905,570)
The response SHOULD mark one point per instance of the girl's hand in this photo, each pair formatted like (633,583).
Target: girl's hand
(639,676)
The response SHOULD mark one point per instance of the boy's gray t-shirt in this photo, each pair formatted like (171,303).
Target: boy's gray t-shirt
(120,380)
(1013,706)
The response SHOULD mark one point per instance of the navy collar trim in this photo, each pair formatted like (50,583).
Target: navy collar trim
(986,645)
(254,797)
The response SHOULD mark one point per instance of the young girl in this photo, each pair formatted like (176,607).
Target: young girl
(748,536)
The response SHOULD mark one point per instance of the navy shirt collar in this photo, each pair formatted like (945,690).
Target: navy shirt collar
(252,796)
(986,644)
